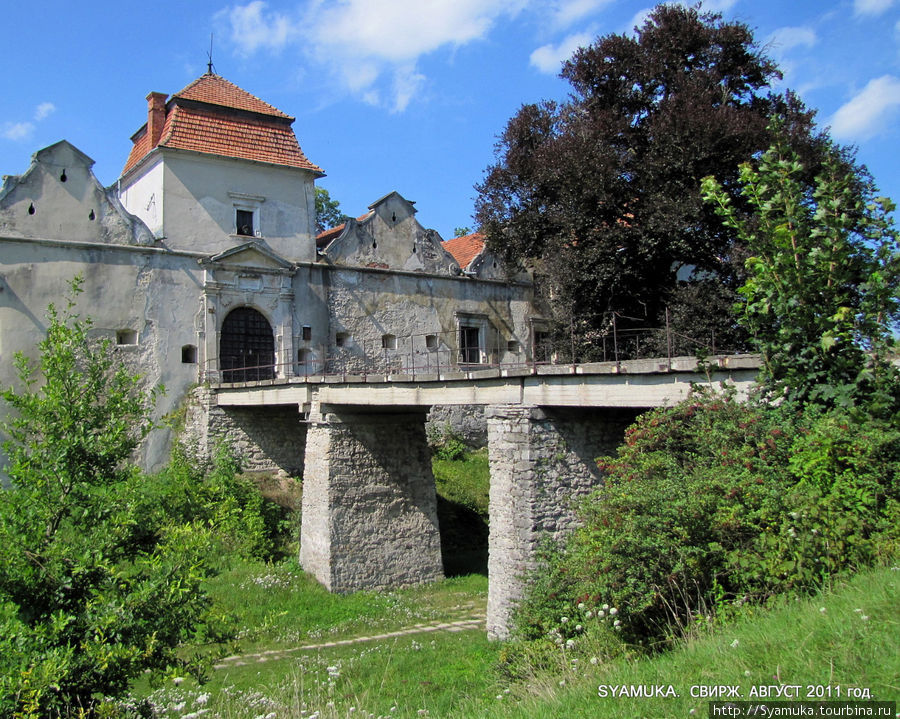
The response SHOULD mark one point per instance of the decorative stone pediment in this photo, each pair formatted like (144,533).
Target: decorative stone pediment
(251,255)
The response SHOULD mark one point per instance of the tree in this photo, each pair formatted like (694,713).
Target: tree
(84,608)
(601,194)
(328,211)
(823,278)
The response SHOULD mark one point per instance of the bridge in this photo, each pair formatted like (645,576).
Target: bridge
(369,505)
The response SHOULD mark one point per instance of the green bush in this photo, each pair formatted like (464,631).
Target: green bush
(446,443)
(712,504)
(209,493)
(86,603)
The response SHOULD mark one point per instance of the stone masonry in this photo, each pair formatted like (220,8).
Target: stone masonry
(369,503)
(541,463)
(269,438)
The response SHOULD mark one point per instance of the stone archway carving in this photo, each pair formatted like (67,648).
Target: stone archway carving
(246,346)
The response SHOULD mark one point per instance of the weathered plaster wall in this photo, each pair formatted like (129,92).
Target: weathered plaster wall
(199,194)
(541,462)
(58,197)
(366,304)
(369,503)
(154,294)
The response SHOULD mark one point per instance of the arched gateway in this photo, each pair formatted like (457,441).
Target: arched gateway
(246,346)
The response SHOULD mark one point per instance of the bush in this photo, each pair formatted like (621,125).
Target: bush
(87,604)
(714,503)
(210,493)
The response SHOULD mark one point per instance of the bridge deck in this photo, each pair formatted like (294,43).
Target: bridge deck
(632,383)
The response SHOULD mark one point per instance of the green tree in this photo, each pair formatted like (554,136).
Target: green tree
(823,274)
(601,193)
(328,211)
(84,609)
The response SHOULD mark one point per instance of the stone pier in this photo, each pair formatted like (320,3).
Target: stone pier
(542,461)
(369,504)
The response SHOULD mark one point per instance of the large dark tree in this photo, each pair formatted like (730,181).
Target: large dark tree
(601,194)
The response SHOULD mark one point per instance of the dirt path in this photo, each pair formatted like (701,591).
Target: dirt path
(473,622)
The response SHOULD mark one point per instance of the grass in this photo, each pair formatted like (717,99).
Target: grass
(854,642)
(846,637)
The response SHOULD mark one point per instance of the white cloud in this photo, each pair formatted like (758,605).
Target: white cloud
(549,58)
(785,39)
(371,47)
(871,7)
(407,84)
(567,12)
(16,130)
(43,110)
(718,5)
(869,111)
(251,28)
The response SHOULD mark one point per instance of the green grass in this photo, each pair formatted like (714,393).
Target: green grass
(854,642)
(465,481)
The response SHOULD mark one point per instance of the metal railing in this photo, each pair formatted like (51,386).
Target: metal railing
(437,354)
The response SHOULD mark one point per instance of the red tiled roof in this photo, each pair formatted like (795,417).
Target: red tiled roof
(465,249)
(326,236)
(216,90)
(214,116)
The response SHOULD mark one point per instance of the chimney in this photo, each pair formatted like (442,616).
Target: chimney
(156,116)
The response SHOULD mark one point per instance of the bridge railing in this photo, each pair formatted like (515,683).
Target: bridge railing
(442,353)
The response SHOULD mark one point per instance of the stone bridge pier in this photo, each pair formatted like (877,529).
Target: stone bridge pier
(542,462)
(369,503)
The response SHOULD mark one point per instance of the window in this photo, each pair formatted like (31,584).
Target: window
(543,347)
(342,339)
(244,223)
(388,342)
(303,355)
(306,335)
(246,214)
(431,342)
(469,344)
(126,337)
(189,354)
(513,347)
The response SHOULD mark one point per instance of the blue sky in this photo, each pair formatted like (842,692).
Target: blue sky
(400,94)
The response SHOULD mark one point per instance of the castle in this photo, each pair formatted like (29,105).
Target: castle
(201,263)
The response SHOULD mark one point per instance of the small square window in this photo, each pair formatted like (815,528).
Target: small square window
(126,337)
(513,346)
(306,333)
(303,355)
(431,342)
(189,354)
(342,339)
(388,342)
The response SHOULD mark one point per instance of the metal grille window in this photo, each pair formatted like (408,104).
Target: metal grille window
(469,345)
(246,346)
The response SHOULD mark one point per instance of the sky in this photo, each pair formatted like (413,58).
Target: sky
(405,95)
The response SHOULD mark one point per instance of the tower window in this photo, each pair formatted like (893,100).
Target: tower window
(244,223)
(189,354)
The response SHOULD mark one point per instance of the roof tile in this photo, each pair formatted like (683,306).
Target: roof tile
(208,123)
(465,249)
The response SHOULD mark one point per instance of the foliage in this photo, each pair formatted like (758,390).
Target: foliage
(83,608)
(445,442)
(462,231)
(601,193)
(714,503)
(328,211)
(210,494)
(823,276)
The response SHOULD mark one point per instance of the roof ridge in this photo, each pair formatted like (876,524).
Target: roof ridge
(199,91)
